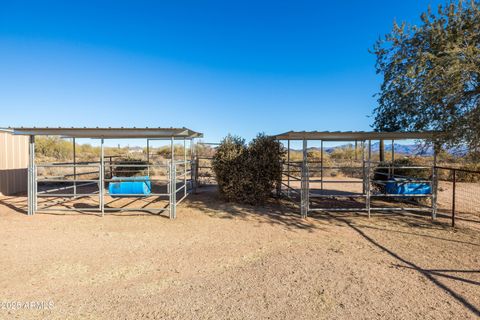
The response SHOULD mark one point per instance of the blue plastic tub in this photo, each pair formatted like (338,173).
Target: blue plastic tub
(140,186)
(403,186)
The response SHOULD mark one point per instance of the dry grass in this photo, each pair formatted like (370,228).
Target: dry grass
(221,260)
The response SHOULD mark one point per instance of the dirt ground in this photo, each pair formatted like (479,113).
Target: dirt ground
(226,261)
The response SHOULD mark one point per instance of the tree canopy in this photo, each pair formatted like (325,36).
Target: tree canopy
(431,75)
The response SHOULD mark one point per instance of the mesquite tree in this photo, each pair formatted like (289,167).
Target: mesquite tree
(431,75)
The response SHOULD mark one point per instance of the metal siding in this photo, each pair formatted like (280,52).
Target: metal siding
(13,163)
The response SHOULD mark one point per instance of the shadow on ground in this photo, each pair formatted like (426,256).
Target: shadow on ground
(433,275)
(275,211)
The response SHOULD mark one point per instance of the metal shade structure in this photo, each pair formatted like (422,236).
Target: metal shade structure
(109,133)
(313,190)
(177,171)
(356,135)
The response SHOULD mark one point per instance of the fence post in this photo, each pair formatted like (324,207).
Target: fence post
(279,182)
(453,196)
(304,184)
(197,164)
(302,192)
(74,169)
(434,192)
(102,177)
(288,168)
(169,187)
(368,182)
(173,181)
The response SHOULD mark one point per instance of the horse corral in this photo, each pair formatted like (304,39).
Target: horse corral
(87,186)
(306,180)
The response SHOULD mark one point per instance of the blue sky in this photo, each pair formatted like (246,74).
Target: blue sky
(218,67)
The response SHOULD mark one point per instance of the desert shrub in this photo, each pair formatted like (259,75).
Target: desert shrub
(229,167)
(88,152)
(250,173)
(314,155)
(381,171)
(265,156)
(204,150)
(53,147)
(345,153)
(129,167)
(468,176)
(296,155)
(166,151)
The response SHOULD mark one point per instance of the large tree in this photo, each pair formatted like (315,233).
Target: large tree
(432,75)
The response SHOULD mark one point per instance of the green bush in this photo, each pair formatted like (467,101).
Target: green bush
(250,173)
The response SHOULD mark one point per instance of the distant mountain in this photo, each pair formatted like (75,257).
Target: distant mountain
(405,149)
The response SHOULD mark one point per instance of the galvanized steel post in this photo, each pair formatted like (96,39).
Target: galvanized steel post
(288,168)
(368,200)
(31,190)
(453,196)
(74,169)
(304,183)
(434,183)
(362,143)
(184,168)
(173,187)
(102,177)
(148,157)
(192,165)
(321,164)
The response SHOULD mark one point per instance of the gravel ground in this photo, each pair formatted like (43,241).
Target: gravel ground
(220,260)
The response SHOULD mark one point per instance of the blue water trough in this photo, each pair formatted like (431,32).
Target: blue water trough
(132,186)
(406,187)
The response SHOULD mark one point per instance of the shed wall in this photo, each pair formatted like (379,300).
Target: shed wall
(13,163)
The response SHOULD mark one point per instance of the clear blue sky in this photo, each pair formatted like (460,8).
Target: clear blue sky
(218,67)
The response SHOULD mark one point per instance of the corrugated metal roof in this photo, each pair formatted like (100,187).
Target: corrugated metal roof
(355,135)
(109,133)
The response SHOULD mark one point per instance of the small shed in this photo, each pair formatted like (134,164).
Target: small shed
(13,163)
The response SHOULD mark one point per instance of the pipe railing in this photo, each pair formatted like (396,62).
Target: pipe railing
(176,172)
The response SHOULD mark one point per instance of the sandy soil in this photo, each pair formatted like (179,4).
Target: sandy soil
(222,261)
